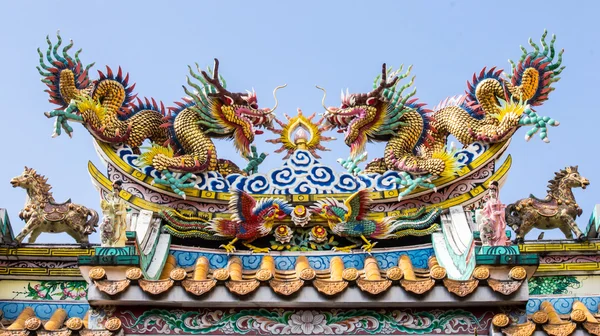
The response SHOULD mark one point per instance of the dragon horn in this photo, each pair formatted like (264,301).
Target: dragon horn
(323,100)
(275,97)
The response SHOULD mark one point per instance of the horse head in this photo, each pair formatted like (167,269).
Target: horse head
(573,179)
(27,180)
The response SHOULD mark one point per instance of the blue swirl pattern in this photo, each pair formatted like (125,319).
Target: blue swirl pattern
(386,260)
(300,174)
(564,305)
(43,310)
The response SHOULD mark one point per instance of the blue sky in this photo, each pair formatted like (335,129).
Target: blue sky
(262,44)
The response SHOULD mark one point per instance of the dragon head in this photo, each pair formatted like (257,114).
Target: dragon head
(361,115)
(237,113)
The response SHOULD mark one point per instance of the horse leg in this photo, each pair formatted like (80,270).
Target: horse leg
(569,226)
(32,224)
(34,235)
(527,222)
(79,238)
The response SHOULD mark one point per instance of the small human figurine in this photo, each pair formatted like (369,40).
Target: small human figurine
(492,228)
(114,224)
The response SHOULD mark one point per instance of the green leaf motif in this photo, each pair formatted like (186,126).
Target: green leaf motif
(553,285)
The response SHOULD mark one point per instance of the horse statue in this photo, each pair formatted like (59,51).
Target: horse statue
(43,214)
(557,211)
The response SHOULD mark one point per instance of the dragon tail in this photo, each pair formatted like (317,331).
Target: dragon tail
(482,93)
(451,165)
(532,77)
(425,138)
(63,74)
(144,105)
(169,120)
(115,96)
(408,225)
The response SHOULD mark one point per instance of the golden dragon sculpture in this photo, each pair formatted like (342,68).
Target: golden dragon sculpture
(492,109)
(180,136)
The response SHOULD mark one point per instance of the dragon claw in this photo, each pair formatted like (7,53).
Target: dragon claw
(63,117)
(351,164)
(254,160)
(176,182)
(540,124)
(410,183)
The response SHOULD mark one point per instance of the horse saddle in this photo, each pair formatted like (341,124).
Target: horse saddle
(545,207)
(56,211)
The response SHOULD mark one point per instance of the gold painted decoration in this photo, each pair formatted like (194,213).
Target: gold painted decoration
(303,269)
(74,323)
(481,273)
(300,133)
(286,287)
(112,287)
(394,273)
(134,273)
(578,315)
(553,317)
(235,269)
(7,332)
(350,274)
(563,329)
(461,288)
(156,287)
(371,269)
(88,332)
(336,269)
(178,274)
(505,287)
(221,274)
(539,317)
(201,268)
(407,267)
(517,273)
(33,323)
(267,269)
(242,287)
(373,286)
(417,286)
(60,332)
(20,321)
(592,327)
(170,264)
(198,287)
(578,305)
(97,273)
(307,274)
(500,320)
(330,287)
(523,329)
(435,270)
(112,324)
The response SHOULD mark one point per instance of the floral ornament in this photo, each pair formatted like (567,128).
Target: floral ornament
(55,290)
(318,234)
(300,216)
(283,234)
(308,322)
